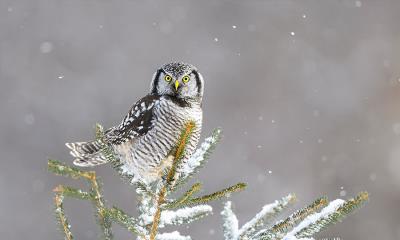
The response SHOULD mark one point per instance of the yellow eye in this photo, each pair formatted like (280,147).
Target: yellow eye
(168,78)
(186,79)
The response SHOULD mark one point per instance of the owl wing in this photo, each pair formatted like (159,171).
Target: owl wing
(136,123)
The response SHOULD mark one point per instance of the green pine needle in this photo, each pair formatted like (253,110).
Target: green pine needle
(185,197)
(123,219)
(73,192)
(62,169)
(217,195)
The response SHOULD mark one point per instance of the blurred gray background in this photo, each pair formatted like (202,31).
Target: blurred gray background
(307,93)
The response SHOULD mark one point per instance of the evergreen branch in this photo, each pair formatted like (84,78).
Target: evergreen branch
(61,217)
(185,197)
(217,195)
(185,136)
(268,212)
(344,210)
(142,188)
(123,219)
(231,223)
(73,192)
(98,201)
(155,210)
(62,169)
(280,229)
(94,195)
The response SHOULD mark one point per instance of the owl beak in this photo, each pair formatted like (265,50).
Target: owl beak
(176,85)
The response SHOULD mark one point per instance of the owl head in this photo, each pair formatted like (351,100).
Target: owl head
(178,80)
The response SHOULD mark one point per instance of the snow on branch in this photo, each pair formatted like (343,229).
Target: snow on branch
(199,157)
(325,212)
(231,223)
(267,213)
(185,215)
(172,236)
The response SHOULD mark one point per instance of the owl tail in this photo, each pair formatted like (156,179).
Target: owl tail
(87,154)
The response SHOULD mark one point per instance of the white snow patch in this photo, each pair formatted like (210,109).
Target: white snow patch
(172,236)
(184,215)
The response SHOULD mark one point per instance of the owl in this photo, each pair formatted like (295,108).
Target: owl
(152,127)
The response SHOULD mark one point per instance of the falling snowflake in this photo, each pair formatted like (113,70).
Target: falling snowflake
(343,193)
(396,128)
(46,47)
(372,177)
(29,119)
